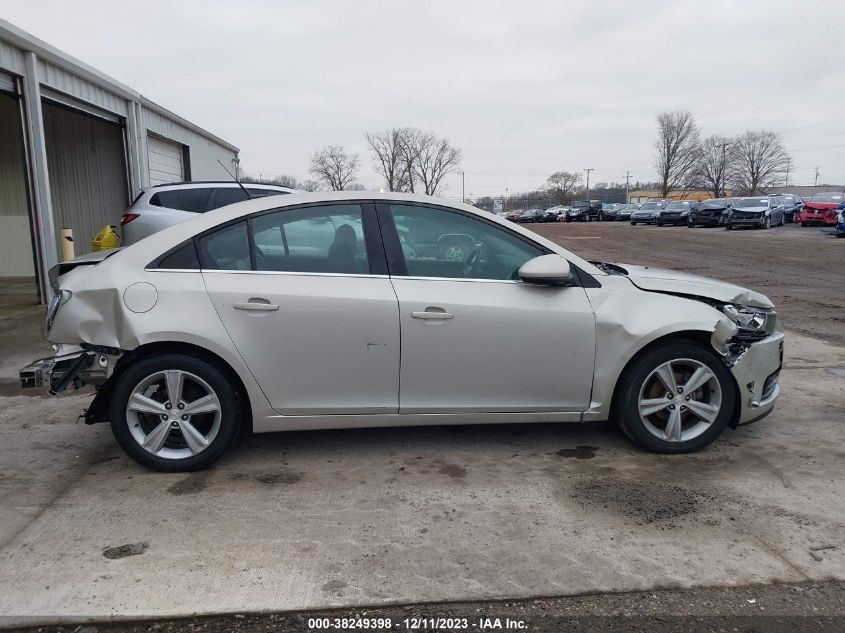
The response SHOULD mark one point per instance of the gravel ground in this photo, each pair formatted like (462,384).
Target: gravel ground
(818,607)
(799,268)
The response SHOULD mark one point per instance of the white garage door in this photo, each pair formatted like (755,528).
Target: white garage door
(165,160)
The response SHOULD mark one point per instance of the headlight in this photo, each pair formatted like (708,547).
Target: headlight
(751,318)
(840,218)
(684,214)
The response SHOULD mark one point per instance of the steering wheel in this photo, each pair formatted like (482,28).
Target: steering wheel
(471,262)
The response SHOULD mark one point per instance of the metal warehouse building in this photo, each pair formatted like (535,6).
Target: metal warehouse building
(75,148)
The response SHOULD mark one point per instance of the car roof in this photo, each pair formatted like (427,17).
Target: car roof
(196,184)
(149,248)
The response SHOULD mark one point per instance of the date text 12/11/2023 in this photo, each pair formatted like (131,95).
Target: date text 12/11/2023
(420,623)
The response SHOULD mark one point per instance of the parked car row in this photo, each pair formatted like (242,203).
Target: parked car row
(756,212)
(161,206)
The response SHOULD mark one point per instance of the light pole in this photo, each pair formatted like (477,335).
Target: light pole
(463,189)
(588,181)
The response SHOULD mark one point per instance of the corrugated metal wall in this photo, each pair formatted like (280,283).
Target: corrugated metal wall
(15,242)
(80,88)
(203,152)
(87,170)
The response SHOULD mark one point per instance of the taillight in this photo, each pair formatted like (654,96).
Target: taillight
(128,217)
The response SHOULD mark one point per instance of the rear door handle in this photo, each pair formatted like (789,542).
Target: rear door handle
(433,314)
(257,305)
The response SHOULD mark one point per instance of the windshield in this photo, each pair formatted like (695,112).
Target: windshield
(714,204)
(675,206)
(747,203)
(581,204)
(828,197)
(650,206)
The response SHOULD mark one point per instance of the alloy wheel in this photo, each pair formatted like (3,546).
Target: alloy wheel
(679,400)
(173,414)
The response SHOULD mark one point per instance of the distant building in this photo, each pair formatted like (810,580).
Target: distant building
(642,195)
(805,191)
(76,146)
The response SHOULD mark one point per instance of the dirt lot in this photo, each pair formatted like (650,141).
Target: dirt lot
(501,514)
(800,269)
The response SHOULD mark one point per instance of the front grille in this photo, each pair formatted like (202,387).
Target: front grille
(746,215)
(750,336)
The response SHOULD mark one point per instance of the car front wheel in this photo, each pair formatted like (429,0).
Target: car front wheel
(173,412)
(676,398)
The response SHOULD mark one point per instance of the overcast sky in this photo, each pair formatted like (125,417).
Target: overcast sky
(523,88)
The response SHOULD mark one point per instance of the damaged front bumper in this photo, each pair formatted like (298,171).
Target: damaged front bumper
(73,369)
(756,372)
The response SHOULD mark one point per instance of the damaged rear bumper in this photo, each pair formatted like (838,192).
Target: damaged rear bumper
(756,372)
(65,370)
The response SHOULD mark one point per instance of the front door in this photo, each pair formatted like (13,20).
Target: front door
(309,307)
(474,337)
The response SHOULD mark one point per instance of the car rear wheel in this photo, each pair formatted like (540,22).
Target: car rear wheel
(174,412)
(676,398)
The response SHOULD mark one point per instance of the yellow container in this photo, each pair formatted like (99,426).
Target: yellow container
(105,239)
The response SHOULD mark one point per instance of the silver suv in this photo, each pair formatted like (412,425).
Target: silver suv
(161,206)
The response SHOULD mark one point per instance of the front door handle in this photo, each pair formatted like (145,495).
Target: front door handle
(432,313)
(256,304)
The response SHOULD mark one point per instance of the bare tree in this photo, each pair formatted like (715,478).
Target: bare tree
(761,161)
(716,162)
(390,157)
(677,150)
(411,143)
(334,167)
(561,185)
(309,185)
(435,158)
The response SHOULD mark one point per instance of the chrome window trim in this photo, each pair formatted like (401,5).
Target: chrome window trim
(292,273)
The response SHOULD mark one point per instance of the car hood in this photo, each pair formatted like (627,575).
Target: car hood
(821,206)
(752,209)
(676,282)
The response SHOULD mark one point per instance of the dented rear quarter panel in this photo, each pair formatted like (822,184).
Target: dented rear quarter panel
(183,313)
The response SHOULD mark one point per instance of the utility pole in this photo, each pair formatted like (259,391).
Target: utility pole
(788,162)
(627,186)
(463,189)
(588,181)
(721,179)
(816,181)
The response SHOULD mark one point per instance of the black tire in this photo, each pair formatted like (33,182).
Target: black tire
(659,223)
(633,224)
(626,398)
(211,374)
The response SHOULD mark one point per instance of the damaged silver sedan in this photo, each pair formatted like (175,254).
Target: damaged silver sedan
(341,310)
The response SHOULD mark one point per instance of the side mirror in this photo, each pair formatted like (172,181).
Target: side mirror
(547,270)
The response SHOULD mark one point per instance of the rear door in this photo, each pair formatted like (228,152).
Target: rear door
(305,296)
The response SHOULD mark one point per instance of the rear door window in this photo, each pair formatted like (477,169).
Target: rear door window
(225,196)
(324,239)
(194,200)
(226,248)
(263,193)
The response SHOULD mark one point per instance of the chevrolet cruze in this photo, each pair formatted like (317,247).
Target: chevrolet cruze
(340,310)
